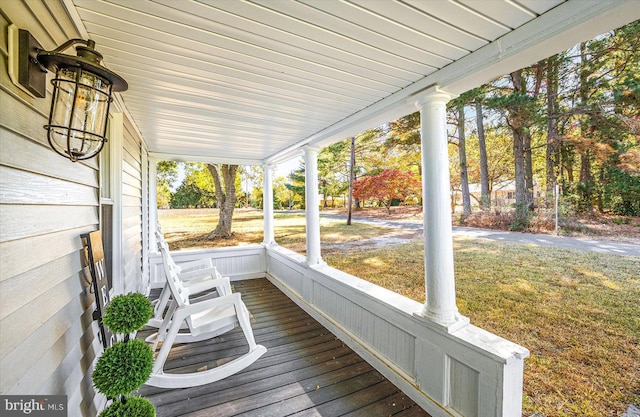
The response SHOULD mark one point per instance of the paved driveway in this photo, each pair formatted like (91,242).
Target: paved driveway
(600,246)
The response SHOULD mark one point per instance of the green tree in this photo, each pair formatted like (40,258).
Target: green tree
(197,188)
(186,196)
(167,172)
(590,118)
(283,197)
(403,136)
(333,170)
(198,175)
(163,195)
(553,138)
(369,143)
(609,92)
(477,96)
(249,187)
(516,99)
(458,106)
(296,184)
(352,177)
(166,175)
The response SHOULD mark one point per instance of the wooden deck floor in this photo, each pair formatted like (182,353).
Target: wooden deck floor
(306,371)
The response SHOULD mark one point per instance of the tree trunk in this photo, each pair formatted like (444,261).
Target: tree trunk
(522,208)
(586,181)
(567,162)
(464,174)
(352,174)
(586,178)
(599,196)
(538,79)
(528,168)
(323,187)
(485,195)
(224,177)
(516,123)
(552,133)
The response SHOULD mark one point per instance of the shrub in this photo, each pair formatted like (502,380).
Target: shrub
(133,407)
(489,220)
(123,368)
(127,313)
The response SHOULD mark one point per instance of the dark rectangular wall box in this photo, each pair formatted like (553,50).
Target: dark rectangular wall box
(31,75)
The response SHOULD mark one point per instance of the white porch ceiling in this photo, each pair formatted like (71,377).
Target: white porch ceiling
(251,81)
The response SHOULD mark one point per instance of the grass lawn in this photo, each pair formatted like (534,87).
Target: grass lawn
(577,312)
(185,229)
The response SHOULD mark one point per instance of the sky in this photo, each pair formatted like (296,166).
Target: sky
(285,168)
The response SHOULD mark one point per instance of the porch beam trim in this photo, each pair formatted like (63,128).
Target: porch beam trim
(205,159)
(552,32)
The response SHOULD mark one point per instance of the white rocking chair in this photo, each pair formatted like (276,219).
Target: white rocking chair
(198,276)
(205,319)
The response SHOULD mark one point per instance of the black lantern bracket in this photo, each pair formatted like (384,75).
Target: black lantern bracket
(24,69)
(82,90)
(29,62)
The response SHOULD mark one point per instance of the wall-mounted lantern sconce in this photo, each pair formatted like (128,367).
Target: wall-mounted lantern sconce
(82,91)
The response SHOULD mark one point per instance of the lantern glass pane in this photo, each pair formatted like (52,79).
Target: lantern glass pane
(79,112)
(65,87)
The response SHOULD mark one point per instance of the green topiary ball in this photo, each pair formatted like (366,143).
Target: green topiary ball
(123,368)
(134,407)
(127,313)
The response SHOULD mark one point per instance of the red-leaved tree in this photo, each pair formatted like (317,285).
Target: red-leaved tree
(387,186)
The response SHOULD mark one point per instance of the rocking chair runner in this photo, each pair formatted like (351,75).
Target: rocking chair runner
(198,276)
(205,319)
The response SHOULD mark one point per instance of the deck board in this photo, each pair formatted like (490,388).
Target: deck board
(306,371)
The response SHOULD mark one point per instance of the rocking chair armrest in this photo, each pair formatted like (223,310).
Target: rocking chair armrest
(197,273)
(198,263)
(183,312)
(221,284)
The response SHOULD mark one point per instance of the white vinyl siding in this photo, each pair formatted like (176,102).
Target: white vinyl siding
(48,342)
(131,209)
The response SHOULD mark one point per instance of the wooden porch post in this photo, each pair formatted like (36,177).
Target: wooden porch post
(438,239)
(312,206)
(267,201)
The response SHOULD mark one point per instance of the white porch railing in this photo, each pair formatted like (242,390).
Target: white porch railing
(236,262)
(468,372)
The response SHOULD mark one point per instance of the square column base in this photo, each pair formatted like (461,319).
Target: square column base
(459,321)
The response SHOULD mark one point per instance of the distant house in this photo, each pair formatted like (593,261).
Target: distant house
(503,194)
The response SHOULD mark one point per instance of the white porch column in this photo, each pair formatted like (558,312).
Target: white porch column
(438,240)
(312,205)
(267,202)
(153,204)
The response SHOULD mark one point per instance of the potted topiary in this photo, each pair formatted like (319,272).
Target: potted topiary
(125,366)
(135,406)
(127,313)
